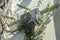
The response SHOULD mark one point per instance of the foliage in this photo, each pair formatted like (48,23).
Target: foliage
(24,7)
(49,9)
(5,16)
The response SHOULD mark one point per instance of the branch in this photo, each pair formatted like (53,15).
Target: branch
(5,16)
(50,9)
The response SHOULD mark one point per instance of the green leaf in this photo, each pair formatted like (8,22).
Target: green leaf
(5,16)
(8,17)
(49,9)
(24,7)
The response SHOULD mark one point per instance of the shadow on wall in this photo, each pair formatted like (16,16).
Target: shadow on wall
(26,2)
(57,20)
